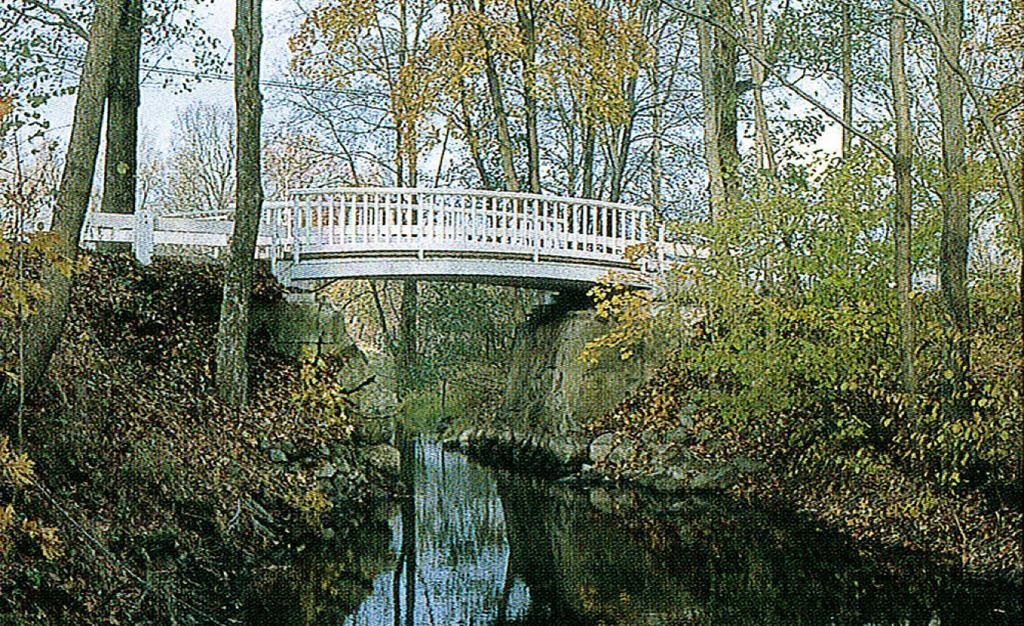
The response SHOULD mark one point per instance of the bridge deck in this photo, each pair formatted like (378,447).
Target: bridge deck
(440,234)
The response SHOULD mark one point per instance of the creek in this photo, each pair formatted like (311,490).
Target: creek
(481,546)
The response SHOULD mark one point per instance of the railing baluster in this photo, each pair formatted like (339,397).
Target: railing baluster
(332,219)
(503,218)
(385,223)
(400,216)
(377,217)
(592,232)
(489,220)
(311,229)
(358,220)
(368,218)
(304,221)
(478,218)
(464,213)
(428,225)
(343,210)
(545,224)
(614,232)
(353,208)
(338,233)
(542,226)
(394,201)
(422,220)
(319,229)
(405,208)
(304,233)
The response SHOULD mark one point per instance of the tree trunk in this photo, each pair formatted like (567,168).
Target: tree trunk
(494,89)
(656,115)
(408,362)
(755,39)
(725,58)
(120,167)
(233,332)
(956,229)
(528,28)
(589,145)
(903,205)
(505,150)
(710,104)
(404,133)
(846,55)
(625,142)
(399,150)
(43,329)
(473,141)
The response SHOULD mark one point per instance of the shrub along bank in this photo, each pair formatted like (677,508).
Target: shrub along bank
(788,336)
(157,499)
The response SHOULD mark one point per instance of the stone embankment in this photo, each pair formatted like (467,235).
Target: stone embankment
(303,327)
(553,398)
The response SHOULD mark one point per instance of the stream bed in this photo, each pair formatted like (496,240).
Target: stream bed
(480,546)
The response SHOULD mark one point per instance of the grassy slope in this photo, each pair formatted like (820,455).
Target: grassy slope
(148,476)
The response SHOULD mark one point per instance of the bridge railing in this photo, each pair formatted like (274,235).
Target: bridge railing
(144,230)
(360,220)
(321,223)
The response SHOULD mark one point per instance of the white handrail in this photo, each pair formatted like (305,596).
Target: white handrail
(367,219)
(385,225)
(459,191)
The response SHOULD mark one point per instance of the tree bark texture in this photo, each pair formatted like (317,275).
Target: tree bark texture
(656,115)
(120,166)
(710,104)
(506,150)
(408,361)
(43,329)
(233,331)
(903,206)
(726,57)
(526,15)
(589,146)
(956,229)
(846,56)
(624,141)
(754,18)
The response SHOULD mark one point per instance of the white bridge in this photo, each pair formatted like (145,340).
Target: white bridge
(428,234)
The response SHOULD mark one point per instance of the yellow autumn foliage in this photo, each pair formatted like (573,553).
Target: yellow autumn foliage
(629,313)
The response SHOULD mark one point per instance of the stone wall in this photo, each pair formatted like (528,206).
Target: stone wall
(302,326)
(551,393)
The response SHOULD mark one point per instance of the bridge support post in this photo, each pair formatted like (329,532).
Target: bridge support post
(142,241)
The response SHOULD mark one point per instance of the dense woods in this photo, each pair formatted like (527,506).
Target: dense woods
(849,174)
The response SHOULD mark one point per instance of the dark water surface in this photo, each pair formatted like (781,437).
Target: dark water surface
(477,546)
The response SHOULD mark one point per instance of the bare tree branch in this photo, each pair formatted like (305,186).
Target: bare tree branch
(65,18)
(801,93)
(979,102)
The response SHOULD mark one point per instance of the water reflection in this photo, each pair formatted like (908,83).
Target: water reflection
(484,547)
(327,582)
(458,571)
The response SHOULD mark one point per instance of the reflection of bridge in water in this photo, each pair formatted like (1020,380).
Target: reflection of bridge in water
(428,234)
